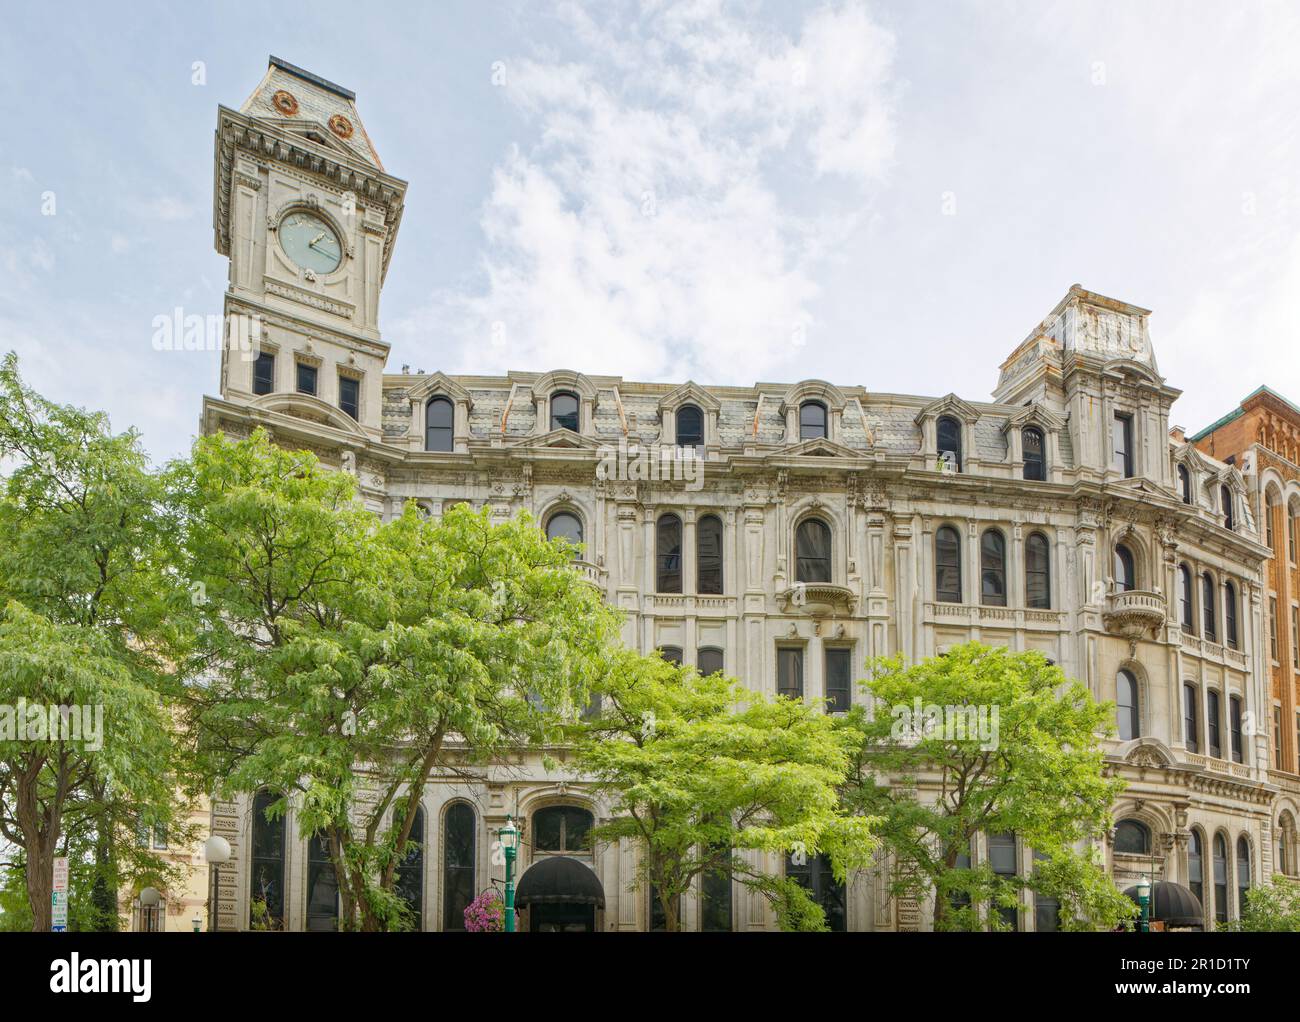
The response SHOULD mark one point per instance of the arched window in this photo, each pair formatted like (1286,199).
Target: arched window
(1038,572)
(814,875)
(1270,509)
(812,551)
(1293,532)
(1031,444)
(458,841)
(690,426)
(947,565)
(1225,495)
(1220,879)
(1191,722)
(1184,484)
(1212,723)
(562,830)
(439,419)
(948,436)
(673,654)
(1125,573)
(708,555)
(567,526)
(1132,838)
(1209,617)
(266,875)
(408,881)
(564,411)
(1243,873)
(1185,599)
(1196,866)
(1234,729)
(709,660)
(1230,615)
(993,569)
(322,886)
(668,554)
(1127,708)
(1283,843)
(812,420)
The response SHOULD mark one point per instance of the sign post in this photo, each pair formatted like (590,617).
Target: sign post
(59,897)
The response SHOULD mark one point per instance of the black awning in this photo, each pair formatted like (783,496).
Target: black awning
(559,880)
(1172,904)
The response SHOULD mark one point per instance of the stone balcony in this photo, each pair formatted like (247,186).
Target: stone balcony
(817,598)
(1135,614)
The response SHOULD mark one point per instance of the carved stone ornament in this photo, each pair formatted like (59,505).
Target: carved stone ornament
(285,102)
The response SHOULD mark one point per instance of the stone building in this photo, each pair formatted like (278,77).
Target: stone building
(782,531)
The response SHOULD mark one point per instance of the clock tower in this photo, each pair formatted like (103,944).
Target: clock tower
(308,217)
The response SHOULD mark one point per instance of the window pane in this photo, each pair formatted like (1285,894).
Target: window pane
(1191,725)
(708,543)
(690,426)
(564,525)
(673,654)
(1234,725)
(1038,575)
(1209,618)
(812,420)
(1122,445)
(947,560)
(789,673)
(564,412)
(306,379)
(709,660)
(1031,442)
(948,435)
(267,863)
(322,887)
(439,416)
(715,907)
(1230,614)
(813,552)
(350,396)
(839,694)
(668,554)
(264,373)
(817,878)
(1132,838)
(1125,577)
(1126,704)
(457,865)
(1212,720)
(993,569)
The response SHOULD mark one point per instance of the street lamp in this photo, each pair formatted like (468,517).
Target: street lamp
(510,845)
(1144,903)
(216,850)
(150,898)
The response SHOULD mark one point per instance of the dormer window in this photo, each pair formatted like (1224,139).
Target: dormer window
(1184,484)
(439,415)
(1031,442)
(564,411)
(948,436)
(1226,497)
(1121,434)
(812,421)
(690,426)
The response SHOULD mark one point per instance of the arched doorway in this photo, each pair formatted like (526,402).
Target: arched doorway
(561,895)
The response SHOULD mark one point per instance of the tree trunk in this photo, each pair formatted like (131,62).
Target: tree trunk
(40,884)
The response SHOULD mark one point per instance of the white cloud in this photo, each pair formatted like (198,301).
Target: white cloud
(644,234)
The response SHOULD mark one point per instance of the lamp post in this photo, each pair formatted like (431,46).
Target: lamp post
(150,898)
(216,850)
(510,845)
(1144,903)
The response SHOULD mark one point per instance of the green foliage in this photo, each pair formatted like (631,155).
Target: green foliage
(326,639)
(1037,774)
(1273,907)
(698,769)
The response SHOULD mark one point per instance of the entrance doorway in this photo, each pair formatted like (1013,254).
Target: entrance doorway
(562,918)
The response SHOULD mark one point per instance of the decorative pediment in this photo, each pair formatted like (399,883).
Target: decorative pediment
(312,131)
(310,409)
(814,390)
(690,392)
(564,379)
(1132,371)
(1150,752)
(952,405)
(1035,415)
(819,447)
(562,438)
(439,383)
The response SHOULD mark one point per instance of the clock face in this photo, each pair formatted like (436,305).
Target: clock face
(310,242)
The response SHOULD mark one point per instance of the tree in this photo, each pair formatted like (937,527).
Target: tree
(82,603)
(698,770)
(984,740)
(341,661)
(1273,907)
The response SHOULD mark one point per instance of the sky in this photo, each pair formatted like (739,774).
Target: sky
(888,195)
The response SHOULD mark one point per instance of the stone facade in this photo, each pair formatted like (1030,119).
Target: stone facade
(1072,456)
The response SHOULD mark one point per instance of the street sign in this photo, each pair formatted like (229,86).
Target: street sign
(59,897)
(60,874)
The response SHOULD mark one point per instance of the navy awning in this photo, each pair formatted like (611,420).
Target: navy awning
(559,880)
(1172,904)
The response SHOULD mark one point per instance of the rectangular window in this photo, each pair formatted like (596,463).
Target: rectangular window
(1234,724)
(264,373)
(1122,444)
(1272,625)
(1047,910)
(350,396)
(1191,732)
(1295,637)
(1277,737)
(789,672)
(839,685)
(1002,860)
(1212,720)
(306,378)
(1297,740)
(715,901)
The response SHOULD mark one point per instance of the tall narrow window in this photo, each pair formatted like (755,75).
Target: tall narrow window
(812,420)
(668,554)
(439,416)
(1038,572)
(947,565)
(715,901)
(1047,910)
(1196,866)
(1277,738)
(948,435)
(690,426)
(1295,638)
(839,684)
(1127,708)
(564,411)
(1125,572)
(1184,484)
(322,886)
(1272,626)
(1209,614)
(789,672)
(306,378)
(1225,498)
(1121,436)
(1185,599)
(993,569)
(266,880)
(1002,859)
(350,396)
(812,551)
(1191,723)
(1220,879)
(408,883)
(814,874)
(1234,727)
(708,555)
(457,864)
(567,526)
(710,660)
(1270,537)
(1031,444)
(1243,873)
(1283,847)
(264,373)
(1212,723)
(1230,615)
(1293,532)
